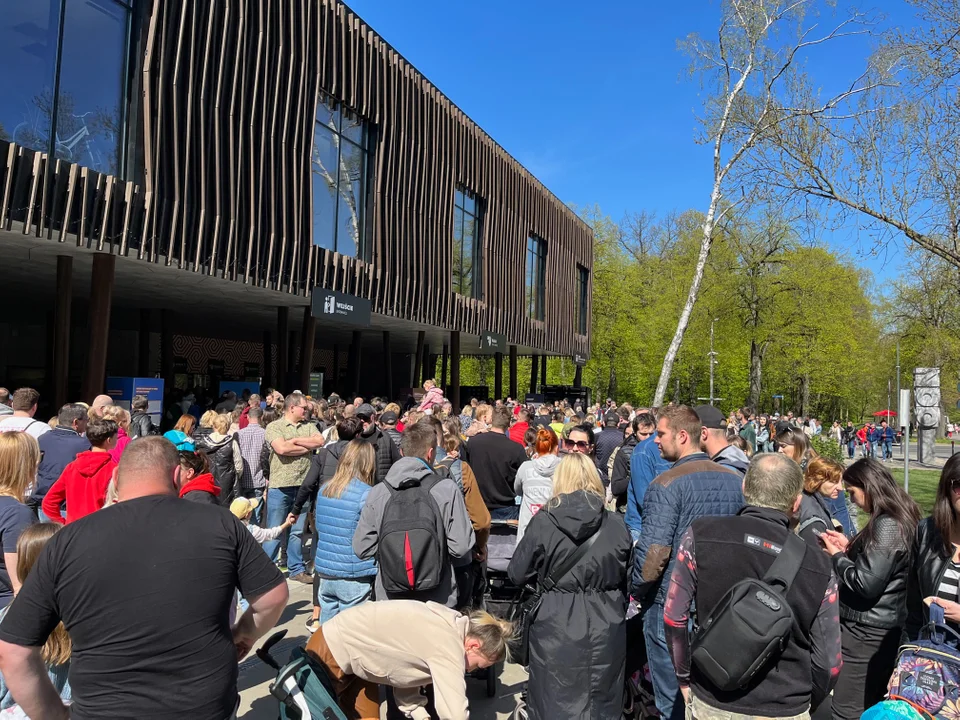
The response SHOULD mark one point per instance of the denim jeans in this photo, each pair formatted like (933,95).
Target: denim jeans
(279,503)
(339,595)
(887,449)
(851,448)
(505,513)
(666,689)
(258,514)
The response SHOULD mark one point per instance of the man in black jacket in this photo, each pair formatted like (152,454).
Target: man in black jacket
(59,448)
(607,441)
(387,451)
(642,427)
(495,459)
(718,552)
(141,424)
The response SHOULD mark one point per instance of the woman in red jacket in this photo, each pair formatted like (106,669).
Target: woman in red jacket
(83,483)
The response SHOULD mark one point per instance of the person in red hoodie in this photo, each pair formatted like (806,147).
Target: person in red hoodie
(519,428)
(83,483)
(196,481)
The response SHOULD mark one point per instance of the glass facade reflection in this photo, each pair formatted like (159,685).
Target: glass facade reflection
(467,243)
(535,281)
(340,162)
(64,95)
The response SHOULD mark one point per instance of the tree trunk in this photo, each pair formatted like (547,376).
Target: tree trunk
(756,374)
(612,384)
(684,321)
(804,394)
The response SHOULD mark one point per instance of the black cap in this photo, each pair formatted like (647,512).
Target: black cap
(710,417)
(365,411)
(389,418)
(611,420)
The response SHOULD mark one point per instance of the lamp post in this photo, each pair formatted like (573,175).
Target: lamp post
(713,361)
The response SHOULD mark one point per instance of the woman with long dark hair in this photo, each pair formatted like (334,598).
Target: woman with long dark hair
(935,559)
(872,572)
(795,444)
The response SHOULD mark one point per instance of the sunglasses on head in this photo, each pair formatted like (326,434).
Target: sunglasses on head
(581,445)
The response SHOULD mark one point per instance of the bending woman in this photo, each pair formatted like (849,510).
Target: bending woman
(406,644)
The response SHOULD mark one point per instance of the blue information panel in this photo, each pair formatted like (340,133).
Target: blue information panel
(122,390)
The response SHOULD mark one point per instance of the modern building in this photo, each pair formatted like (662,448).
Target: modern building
(202,190)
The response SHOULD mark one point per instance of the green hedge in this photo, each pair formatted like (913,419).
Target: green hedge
(827,447)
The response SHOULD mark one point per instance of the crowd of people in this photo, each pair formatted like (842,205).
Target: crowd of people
(176,540)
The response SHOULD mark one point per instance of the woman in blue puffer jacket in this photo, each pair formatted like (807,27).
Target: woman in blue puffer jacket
(345,579)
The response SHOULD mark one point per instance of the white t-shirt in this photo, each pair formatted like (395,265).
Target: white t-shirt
(24,424)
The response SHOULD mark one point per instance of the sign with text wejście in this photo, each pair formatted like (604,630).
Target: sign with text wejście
(333,306)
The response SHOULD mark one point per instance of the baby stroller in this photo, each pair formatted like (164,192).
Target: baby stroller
(303,685)
(499,594)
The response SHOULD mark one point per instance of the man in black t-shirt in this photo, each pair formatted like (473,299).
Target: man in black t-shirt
(495,459)
(145,589)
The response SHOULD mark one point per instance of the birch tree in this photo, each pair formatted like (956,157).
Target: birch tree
(889,158)
(751,74)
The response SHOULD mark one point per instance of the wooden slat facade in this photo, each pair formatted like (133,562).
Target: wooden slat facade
(229,93)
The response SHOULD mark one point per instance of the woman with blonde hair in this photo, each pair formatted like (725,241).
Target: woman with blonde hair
(58,648)
(578,641)
(345,579)
(19,459)
(406,645)
(223,451)
(122,418)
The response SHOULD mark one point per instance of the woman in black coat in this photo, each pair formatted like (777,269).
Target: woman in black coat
(578,640)
(935,560)
(872,574)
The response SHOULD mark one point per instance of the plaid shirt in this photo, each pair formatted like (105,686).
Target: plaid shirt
(251,443)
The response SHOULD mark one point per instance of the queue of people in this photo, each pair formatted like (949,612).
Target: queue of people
(656,512)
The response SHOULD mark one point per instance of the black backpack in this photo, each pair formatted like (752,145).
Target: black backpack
(750,627)
(412,552)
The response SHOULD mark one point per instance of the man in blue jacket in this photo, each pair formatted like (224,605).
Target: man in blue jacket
(646,463)
(886,435)
(694,487)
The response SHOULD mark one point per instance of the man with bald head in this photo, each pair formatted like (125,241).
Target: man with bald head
(145,589)
(99,403)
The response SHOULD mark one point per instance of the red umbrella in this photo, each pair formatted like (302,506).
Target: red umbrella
(885,413)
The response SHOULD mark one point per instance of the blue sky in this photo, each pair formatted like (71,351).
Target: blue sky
(592,97)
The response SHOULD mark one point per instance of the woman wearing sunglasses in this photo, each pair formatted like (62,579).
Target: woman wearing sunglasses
(935,565)
(872,572)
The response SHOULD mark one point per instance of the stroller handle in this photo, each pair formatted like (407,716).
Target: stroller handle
(263,652)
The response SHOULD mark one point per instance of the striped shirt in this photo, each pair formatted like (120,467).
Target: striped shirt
(949,588)
(251,443)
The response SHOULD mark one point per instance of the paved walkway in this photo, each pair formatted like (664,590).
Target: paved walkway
(256,703)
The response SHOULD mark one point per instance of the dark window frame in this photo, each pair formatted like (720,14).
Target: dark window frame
(582,307)
(365,147)
(535,287)
(458,282)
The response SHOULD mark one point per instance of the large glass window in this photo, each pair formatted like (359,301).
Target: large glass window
(536,291)
(580,313)
(67,102)
(467,243)
(340,170)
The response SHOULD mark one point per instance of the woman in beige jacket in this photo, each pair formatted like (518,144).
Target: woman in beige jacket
(406,645)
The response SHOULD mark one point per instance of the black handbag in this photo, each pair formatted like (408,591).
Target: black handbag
(525,610)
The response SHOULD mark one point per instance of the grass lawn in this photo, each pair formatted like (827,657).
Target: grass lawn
(923,486)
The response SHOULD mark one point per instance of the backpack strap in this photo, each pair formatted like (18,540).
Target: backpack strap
(785,568)
(551,580)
